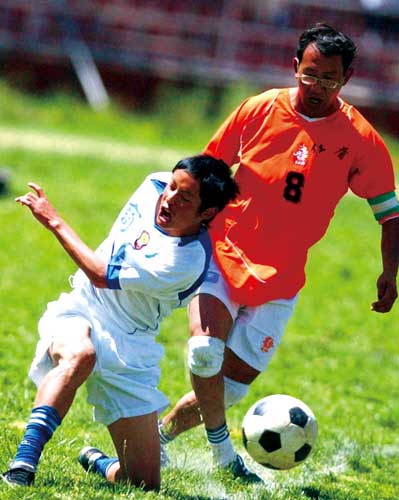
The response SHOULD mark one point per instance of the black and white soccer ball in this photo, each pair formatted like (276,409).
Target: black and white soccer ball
(279,431)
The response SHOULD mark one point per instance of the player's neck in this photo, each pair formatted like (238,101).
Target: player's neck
(299,108)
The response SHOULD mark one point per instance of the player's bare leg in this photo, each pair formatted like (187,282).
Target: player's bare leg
(210,317)
(137,444)
(184,416)
(186,413)
(237,369)
(136,441)
(74,356)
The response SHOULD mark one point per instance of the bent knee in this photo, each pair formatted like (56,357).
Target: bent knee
(78,360)
(85,358)
(205,355)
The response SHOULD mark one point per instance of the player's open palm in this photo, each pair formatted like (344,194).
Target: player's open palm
(40,206)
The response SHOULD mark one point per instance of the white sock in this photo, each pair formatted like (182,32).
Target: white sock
(223,452)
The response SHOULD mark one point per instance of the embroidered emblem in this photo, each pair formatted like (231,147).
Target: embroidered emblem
(301,155)
(268,344)
(142,240)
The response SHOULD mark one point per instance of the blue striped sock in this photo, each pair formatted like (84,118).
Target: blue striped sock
(102,464)
(41,425)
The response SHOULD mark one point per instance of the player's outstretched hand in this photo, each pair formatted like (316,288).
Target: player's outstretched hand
(40,206)
(387,293)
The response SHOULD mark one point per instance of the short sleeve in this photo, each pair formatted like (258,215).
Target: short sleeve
(372,173)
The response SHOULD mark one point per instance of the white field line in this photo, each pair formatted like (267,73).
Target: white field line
(73,145)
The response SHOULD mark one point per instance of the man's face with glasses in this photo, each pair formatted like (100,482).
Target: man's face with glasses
(320,79)
(313,80)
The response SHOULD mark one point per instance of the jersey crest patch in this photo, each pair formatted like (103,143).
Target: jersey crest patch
(142,240)
(301,155)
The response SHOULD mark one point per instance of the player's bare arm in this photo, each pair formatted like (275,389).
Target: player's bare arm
(90,263)
(386,283)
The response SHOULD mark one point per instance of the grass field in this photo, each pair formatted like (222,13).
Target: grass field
(337,355)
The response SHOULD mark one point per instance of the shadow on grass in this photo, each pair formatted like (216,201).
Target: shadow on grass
(315,493)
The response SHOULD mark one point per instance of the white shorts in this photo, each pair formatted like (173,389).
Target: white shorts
(126,374)
(257,331)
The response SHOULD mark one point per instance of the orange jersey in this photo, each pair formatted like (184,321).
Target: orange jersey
(292,173)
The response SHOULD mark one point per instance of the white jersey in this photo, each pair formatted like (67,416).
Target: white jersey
(149,272)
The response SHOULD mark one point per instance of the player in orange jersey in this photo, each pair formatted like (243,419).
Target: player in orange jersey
(298,151)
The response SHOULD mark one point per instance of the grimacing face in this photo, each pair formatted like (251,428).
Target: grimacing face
(315,100)
(178,209)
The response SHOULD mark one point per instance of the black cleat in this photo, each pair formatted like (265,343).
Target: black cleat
(19,477)
(239,470)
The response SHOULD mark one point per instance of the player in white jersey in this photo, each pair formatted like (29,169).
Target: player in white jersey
(103,332)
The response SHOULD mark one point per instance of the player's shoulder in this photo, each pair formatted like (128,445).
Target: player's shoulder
(260,104)
(187,256)
(264,98)
(158,180)
(357,120)
(150,188)
(195,254)
(153,185)
(195,249)
(356,128)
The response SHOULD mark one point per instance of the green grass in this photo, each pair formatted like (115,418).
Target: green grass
(337,355)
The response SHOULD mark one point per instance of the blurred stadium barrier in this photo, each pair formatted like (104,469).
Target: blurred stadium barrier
(209,41)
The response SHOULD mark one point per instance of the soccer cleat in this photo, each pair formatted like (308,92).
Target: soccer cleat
(240,471)
(19,477)
(164,456)
(88,456)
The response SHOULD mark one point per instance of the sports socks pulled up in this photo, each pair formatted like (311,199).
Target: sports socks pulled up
(222,448)
(42,424)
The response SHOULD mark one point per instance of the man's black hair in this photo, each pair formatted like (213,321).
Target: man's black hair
(329,42)
(217,185)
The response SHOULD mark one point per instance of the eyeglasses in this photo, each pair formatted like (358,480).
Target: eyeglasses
(312,80)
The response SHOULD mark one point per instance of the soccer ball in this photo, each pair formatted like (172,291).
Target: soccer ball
(279,431)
